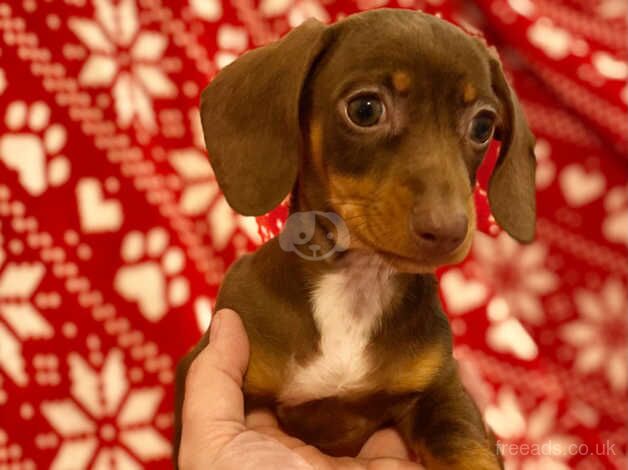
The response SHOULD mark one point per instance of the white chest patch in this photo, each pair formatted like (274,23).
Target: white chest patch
(347,305)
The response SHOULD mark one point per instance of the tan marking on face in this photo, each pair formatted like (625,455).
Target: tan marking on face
(469,93)
(401,81)
(376,212)
(356,200)
(316,146)
(348,189)
(417,373)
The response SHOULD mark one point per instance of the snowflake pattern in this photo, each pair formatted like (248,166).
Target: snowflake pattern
(20,320)
(105,420)
(201,195)
(547,449)
(516,274)
(599,334)
(125,58)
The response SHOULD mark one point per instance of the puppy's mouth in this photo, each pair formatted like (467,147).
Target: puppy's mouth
(419,264)
(399,244)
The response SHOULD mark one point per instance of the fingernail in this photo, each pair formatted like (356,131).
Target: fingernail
(214,326)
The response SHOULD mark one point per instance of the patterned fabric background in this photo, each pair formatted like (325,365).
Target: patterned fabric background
(114,236)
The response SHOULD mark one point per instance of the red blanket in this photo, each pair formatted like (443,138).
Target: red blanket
(114,236)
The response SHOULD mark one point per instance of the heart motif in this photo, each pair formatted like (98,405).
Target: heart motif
(579,186)
(462,295)
(97,214)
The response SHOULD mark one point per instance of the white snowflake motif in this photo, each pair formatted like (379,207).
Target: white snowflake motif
(123,55)
(296,11)
(209,10)
(232,41)
(516,274)
(599,334)
(105,423)
(19,319)
(201,195)
(528,443)
(200,186)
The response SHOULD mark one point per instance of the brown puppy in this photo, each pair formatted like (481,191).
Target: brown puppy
(377,125)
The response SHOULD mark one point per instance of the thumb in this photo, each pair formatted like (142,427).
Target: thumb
(214,403)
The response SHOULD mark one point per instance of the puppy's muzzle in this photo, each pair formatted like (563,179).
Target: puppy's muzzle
(438,231)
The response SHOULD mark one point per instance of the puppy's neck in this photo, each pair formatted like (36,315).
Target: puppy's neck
(349,302)
(364,273)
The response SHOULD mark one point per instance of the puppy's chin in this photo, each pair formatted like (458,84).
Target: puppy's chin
(408,265)
(413,263)
(419,266)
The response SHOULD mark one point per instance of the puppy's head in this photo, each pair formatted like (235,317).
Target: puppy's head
(386,116)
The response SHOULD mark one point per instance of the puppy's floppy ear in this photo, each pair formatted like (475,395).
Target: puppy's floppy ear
(511,188)
(250,117)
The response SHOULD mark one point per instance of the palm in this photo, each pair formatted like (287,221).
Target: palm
(262,436)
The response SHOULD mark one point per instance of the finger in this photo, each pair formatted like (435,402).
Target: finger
(213,387)
(388,463)
(261,418)
(385,443)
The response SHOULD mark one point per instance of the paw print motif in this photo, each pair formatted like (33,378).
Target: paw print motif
(152,277)
(33,147)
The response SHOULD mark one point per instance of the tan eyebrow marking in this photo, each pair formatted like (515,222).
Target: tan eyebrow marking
(401,81)
(469,93)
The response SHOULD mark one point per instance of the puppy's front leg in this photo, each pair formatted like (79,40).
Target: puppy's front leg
(446,430)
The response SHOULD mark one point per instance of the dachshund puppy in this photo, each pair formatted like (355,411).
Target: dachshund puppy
(376,126)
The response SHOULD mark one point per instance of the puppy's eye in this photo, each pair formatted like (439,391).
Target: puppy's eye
(365,110)
(482,128)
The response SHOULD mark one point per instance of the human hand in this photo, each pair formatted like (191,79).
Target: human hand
(217,435)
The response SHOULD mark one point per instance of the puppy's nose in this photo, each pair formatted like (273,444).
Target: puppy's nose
(439,232)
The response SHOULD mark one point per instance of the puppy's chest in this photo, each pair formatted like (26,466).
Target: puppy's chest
(348,306)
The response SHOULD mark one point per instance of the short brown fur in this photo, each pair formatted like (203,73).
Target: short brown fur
(401,81)
(276,120)
(469,93)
